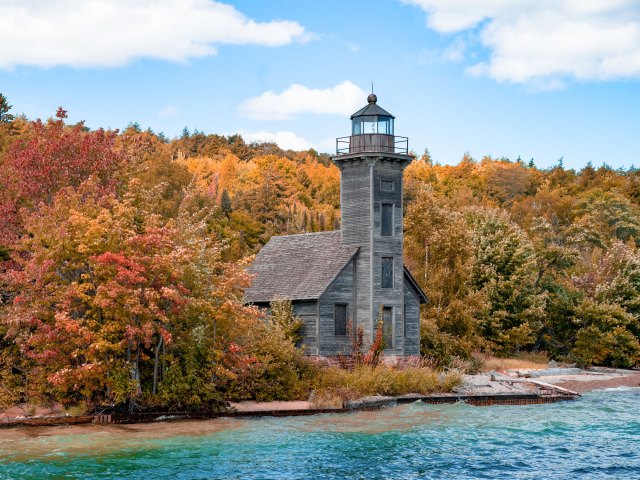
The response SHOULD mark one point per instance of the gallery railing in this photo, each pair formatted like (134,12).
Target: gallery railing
(372,142)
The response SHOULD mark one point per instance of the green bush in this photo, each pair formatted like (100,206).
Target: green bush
(443,349)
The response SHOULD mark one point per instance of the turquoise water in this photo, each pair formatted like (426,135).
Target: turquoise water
(597,436)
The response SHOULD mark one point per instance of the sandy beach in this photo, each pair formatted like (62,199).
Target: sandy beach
(596,380)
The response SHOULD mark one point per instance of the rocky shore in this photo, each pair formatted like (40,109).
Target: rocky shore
(529,380)
(595,379)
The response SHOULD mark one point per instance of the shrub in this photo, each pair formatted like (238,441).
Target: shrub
(381,380)
(277,371)
(282,315)
(443,348)
(524,360)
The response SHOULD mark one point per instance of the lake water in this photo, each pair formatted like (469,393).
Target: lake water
(597,436)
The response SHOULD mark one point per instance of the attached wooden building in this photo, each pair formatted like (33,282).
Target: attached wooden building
(344,279)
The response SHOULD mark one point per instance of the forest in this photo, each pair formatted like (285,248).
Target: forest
(123,260)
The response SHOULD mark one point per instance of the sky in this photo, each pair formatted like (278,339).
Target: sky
(548,80)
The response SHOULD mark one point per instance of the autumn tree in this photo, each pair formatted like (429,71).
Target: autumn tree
(603,217)
(505,271)
(116,303)
(604,335)
(54,156)
(439,250)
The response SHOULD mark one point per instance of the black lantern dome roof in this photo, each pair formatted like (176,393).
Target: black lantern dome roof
(371,109)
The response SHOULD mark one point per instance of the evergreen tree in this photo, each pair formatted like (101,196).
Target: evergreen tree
(505,270)
(5,116)
(225,203)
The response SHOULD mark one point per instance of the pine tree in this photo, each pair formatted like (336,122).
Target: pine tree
(225,203)
(5,116)
(505,270)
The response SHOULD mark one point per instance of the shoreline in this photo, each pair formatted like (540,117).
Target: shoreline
(575,380)
(597,379)
(518,387)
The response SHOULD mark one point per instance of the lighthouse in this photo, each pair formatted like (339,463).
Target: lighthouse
(371,162)
(347,279)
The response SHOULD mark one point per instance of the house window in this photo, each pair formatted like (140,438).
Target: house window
(387,326)
(340,319)
(386,221)
(387,272)
(386,185)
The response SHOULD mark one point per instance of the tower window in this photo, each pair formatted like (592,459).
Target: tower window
(386,185)
(387,272)
(387,326)
(340,319)
(386,220)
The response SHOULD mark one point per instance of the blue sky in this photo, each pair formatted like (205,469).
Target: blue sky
(539,79)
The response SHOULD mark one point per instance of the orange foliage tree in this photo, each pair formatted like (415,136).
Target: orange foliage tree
(114,303)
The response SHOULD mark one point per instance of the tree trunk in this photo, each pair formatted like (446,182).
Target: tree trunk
(155,365)
(539,341)
(106,362)
(136,372)
(164,364)
(426,261)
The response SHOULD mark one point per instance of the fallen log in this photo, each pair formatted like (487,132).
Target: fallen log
(554,387)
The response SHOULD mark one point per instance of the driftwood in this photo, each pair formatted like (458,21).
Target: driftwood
(549,386)
(554,387)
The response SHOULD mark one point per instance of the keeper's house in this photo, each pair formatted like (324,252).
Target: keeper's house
(341,280)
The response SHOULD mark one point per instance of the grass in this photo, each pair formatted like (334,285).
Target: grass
(520,362)
(334,385)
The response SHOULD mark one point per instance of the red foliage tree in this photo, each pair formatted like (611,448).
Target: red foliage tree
(55,155)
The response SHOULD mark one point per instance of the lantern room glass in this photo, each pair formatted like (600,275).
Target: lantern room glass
(380,124)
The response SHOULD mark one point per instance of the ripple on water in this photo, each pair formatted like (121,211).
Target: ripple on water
(593,437)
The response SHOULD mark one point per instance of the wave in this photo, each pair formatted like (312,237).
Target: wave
(622,388)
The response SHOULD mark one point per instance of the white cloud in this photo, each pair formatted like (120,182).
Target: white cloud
(342,99)
(455,51)
(285,140)
(109,33)
(544,42)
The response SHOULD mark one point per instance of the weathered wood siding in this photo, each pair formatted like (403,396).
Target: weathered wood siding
(308,313)
(389,246)
(340,291)
(355,200)
(411,321)
(361,198)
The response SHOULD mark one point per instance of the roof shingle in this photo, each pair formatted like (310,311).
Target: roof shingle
(298,267)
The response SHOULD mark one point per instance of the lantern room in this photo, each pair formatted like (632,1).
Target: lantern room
(372,131)
(372,119)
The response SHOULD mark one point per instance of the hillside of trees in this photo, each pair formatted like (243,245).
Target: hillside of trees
(123,260)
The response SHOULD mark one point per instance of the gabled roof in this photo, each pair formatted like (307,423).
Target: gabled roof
(298,267)
(412,281)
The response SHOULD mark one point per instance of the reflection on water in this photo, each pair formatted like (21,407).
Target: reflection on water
(392,419)
(594,437)
(101,439)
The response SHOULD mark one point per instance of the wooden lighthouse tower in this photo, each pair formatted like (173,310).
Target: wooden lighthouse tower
(371,162)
